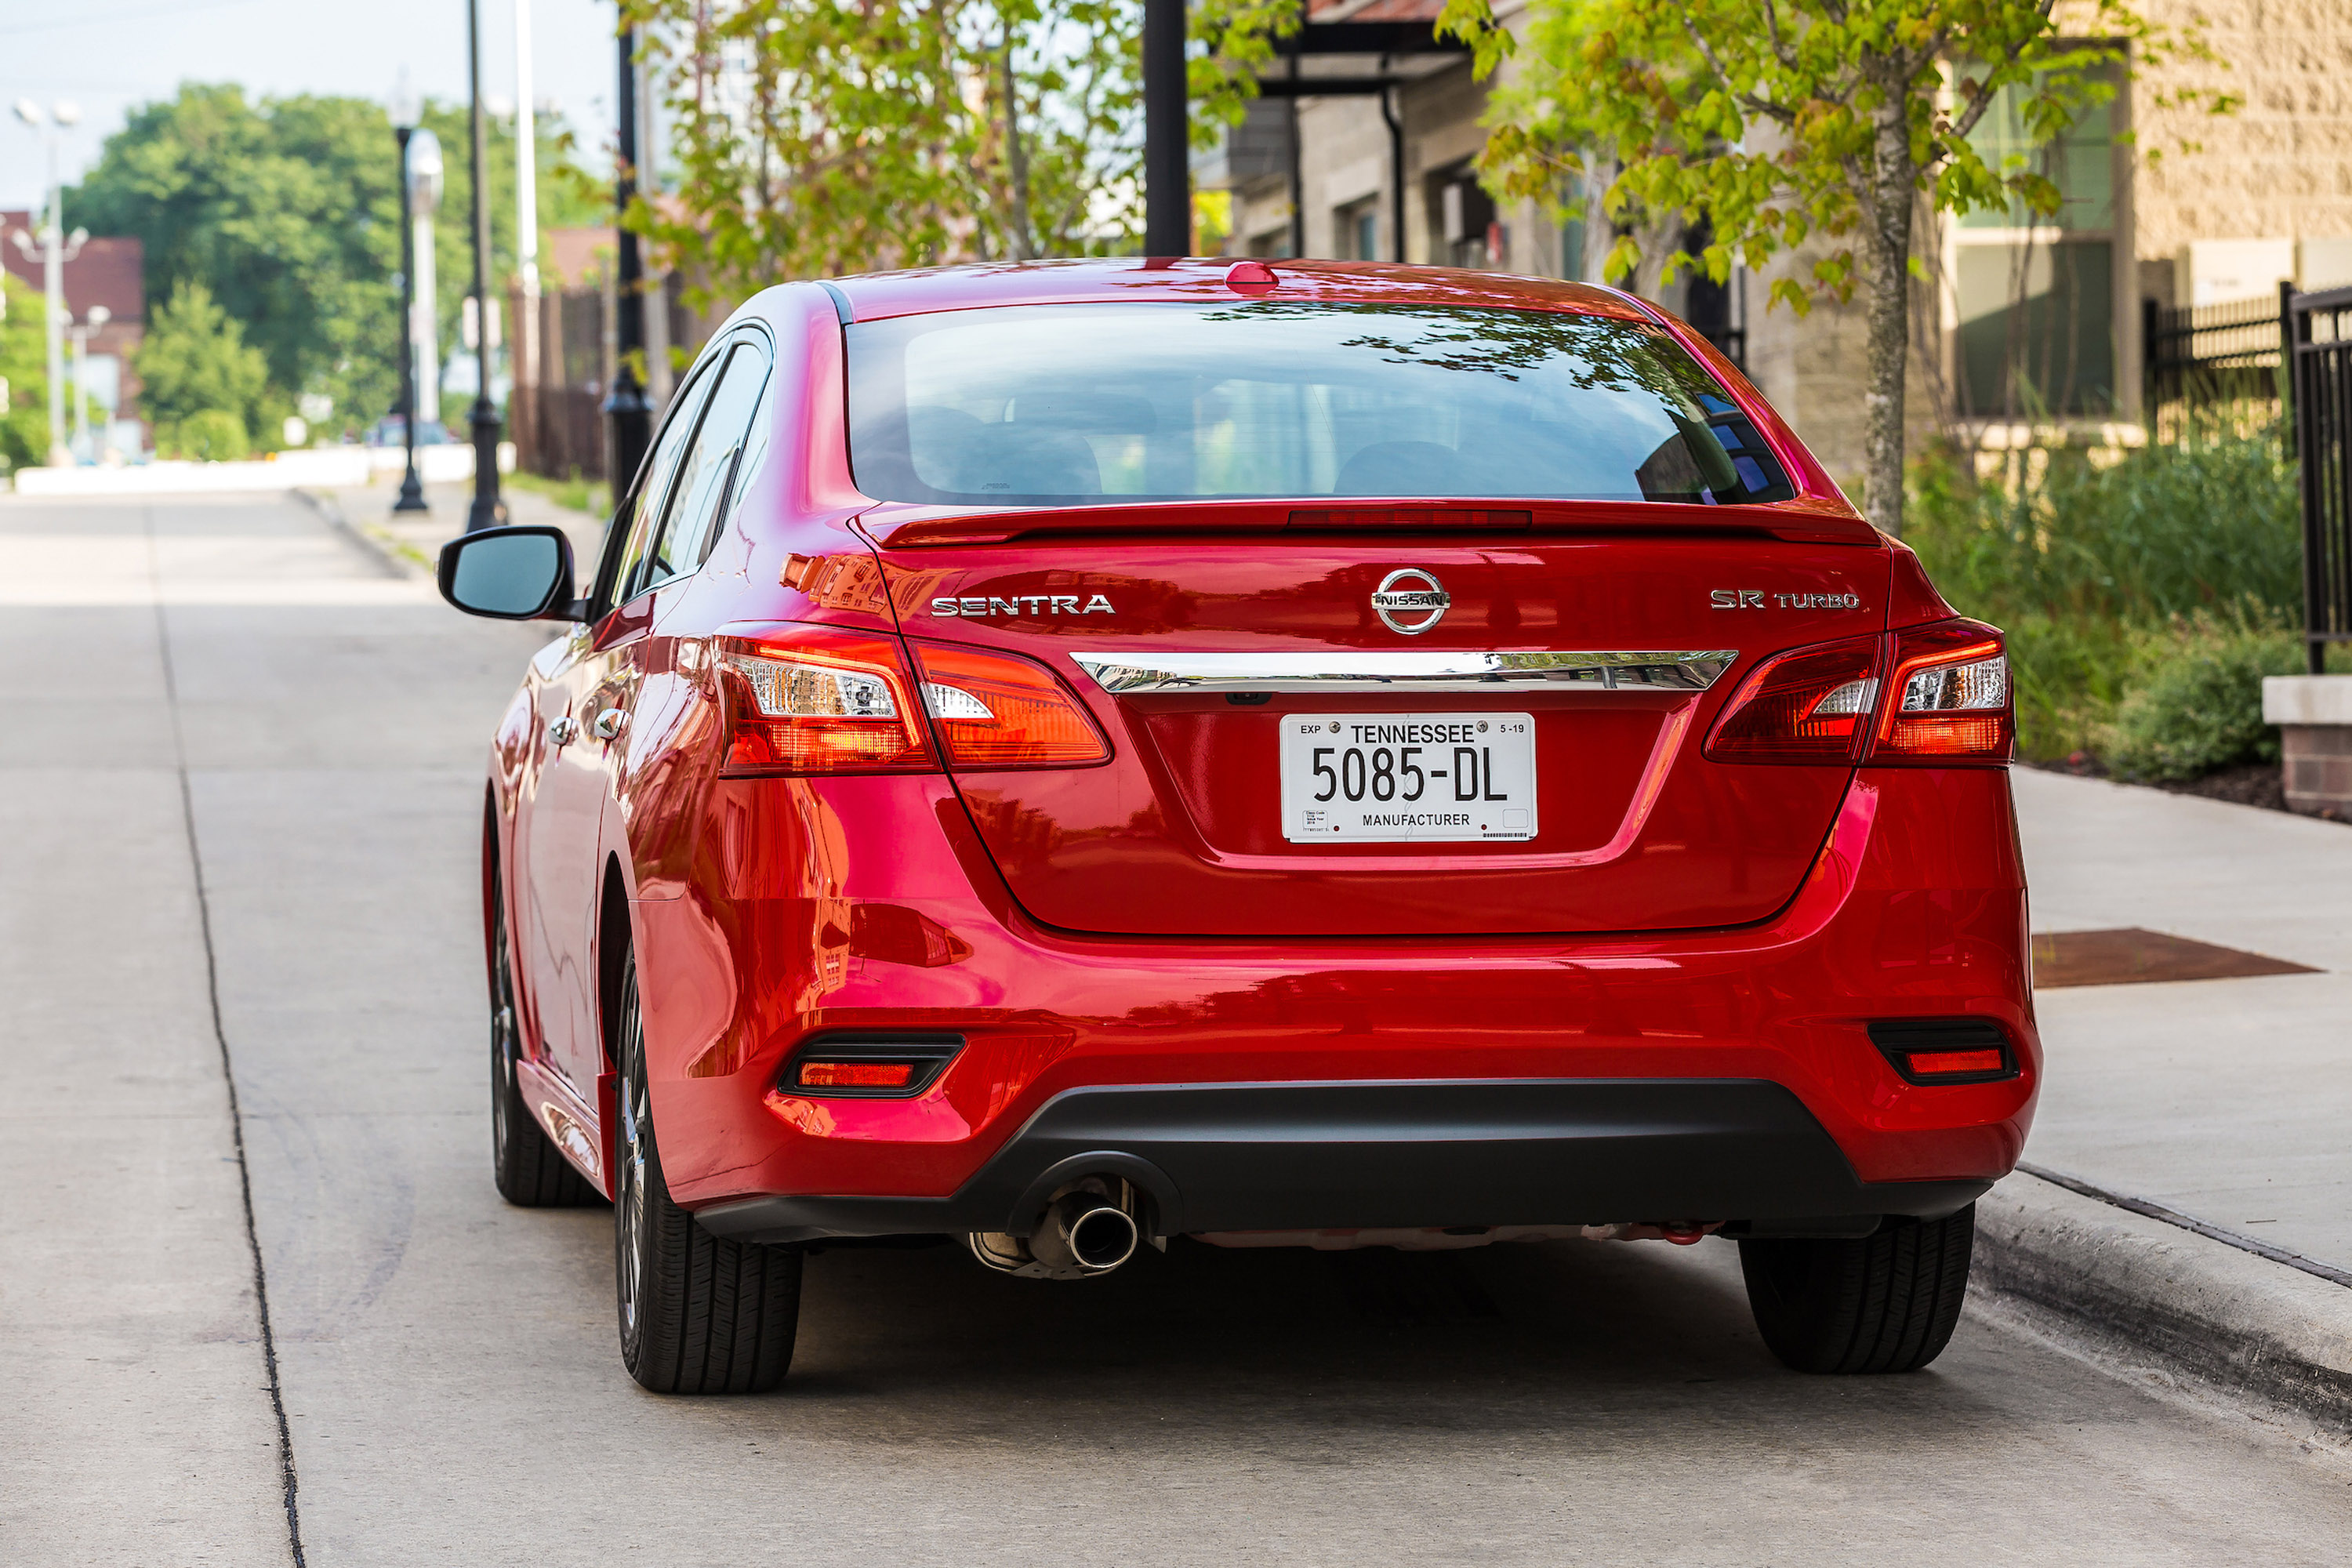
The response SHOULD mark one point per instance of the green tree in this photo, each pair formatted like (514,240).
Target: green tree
(1825,125)
(198,374)
(25,369)
(811,138)
(286,211)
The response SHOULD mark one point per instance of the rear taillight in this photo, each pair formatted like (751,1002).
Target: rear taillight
(1946,704)
(1949,700)
(998,710)
(1812,705)
(815,700)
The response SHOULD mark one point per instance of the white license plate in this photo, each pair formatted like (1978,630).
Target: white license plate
(1407,777)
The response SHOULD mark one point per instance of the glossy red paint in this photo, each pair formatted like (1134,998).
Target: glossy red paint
(1132,922)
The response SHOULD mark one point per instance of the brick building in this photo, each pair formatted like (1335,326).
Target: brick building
(2164,207)
(111,273)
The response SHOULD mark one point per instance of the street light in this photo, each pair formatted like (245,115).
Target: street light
(54,249)
(405,113)
(486,511)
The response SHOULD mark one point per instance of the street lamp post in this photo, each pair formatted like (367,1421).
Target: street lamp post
(55,248)
(629,415)
(404,112)
(1167,154)
(486,511)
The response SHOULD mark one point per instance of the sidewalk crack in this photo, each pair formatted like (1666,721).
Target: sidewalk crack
(220,1037)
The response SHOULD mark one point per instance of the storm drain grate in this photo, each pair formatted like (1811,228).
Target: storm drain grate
(2132,956)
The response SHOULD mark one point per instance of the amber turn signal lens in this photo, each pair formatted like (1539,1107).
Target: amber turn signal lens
(997,711)
(854,1075)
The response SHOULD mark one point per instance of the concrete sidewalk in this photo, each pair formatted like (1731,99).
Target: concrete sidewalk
(412,542)
(2220,1105)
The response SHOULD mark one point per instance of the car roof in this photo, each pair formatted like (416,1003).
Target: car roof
(876,296)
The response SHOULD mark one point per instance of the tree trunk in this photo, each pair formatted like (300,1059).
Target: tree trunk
(1025,244)
(1887,216)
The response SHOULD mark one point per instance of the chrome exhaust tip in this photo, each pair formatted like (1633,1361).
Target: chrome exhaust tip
(1087,1232)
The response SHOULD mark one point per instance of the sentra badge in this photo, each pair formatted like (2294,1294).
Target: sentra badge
(1023,604)
(1409,601)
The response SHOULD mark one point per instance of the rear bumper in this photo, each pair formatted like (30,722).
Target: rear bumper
(867,904)
(1292,1156)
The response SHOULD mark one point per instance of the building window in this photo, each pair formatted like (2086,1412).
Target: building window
(2033,303)
(1468,232)
(1356,230)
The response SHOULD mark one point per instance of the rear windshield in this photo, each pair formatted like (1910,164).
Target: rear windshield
(1076,404)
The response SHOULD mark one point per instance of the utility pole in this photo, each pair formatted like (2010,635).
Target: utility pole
(629,417)
(55,248)
(1167,153)
(522,403)
(485,510)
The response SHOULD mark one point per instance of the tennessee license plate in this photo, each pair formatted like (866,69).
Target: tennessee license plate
(1407,777)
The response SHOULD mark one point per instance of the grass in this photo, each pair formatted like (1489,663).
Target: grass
(579,494)
(2114,576)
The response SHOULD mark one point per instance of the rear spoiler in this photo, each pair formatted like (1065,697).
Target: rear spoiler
(901,525)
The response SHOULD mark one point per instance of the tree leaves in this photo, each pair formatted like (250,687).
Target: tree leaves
(811,138)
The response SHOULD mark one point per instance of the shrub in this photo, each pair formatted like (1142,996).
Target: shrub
(211,436)
(2104,574)
(2197,703)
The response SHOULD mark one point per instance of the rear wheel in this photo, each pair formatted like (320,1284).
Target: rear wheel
(530,1172)
(699,1313)
(1887,1302)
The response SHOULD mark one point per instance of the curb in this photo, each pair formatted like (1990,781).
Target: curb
(2137,1286)
(392,555)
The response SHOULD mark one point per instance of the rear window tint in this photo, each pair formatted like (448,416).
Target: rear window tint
(1081,405)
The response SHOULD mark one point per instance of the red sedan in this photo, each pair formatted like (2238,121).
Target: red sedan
(1067,755)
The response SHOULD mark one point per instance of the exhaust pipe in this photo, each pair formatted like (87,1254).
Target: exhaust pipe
(1087,1232)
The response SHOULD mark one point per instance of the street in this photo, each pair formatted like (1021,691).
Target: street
(242,787)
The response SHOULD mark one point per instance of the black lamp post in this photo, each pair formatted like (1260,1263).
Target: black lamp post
(629,416)
(486,511)
(405,110)
(1167,154)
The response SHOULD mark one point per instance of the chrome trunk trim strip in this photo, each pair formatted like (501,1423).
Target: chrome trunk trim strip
(1584,670)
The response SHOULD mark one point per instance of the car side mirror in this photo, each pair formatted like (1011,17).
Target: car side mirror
(509,574)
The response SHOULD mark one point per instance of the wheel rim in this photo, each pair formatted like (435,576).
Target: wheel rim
(629,1213)
(505,1043)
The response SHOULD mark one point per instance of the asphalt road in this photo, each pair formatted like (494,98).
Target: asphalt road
(241,760)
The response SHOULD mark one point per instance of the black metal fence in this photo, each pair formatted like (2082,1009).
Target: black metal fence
(2208,355)
(2318,329)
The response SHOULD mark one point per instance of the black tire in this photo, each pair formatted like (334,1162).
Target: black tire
(531,1172)
(1885,1303)
(698,1313)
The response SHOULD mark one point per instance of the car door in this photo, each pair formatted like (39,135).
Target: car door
(565,825)
(647,698)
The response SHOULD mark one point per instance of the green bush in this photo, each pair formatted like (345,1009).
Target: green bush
(2109,574)
(2196,703)
(210,436)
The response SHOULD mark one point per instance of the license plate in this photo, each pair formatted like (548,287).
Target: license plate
(1407,777)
